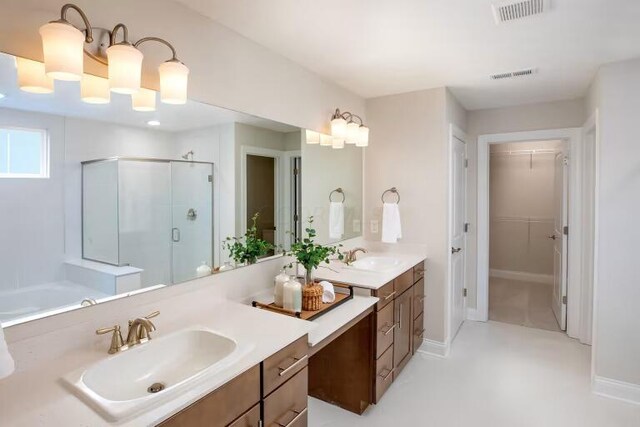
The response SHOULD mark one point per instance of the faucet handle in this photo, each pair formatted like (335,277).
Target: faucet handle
(117,343)
(152,315)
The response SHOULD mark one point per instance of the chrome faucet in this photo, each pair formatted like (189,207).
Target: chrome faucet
(350,257)
(139,330)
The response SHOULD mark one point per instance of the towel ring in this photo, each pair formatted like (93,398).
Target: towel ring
(391,190)
(337,190)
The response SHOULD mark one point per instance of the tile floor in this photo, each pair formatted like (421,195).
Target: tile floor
(522,303)
(497,375)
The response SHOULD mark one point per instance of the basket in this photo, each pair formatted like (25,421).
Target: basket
(312,297)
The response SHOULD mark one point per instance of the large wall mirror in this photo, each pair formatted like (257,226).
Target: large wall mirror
(101,201)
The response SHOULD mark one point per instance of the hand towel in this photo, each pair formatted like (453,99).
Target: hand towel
(6,361)
(336,220)
(391,228)
(329,294)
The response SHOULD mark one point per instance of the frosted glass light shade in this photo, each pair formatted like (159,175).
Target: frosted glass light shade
(32,77)
(363,137)
(144,100)
(353,132)
(125,68)
(339,128)
(326,140)
(94,90)
(313,137)
(63,46)
(174,76)
(338,143)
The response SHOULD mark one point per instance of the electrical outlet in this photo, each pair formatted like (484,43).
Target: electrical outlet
(356,225)
(374,226)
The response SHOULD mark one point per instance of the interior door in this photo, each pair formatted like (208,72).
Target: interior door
(457,230)
(560,189)
(261,196)
(192,218)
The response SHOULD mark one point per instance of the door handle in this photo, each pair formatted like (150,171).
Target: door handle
(455,250)
(552,237)
(175,234)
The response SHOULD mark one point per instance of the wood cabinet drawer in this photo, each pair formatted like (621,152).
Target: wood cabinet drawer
(222,406)
(403,282)
(251,418)
(386,294)
(287,406)
(418,298)
(384,373)
(418,333)
(384,329)
(418,271)
(278,368)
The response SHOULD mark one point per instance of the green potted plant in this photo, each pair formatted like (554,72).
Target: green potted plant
(310,254)
(248,248)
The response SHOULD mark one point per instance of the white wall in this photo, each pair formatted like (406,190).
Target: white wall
(31,212)
(552,115)
(616,93)
(227,69)
(409,150)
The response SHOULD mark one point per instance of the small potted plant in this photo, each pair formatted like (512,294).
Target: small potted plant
(248,248)
(311,255)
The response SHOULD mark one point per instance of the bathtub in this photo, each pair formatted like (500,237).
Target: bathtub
(33,302)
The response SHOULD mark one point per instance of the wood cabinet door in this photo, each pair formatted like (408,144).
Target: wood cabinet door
(418,298)
(403,332)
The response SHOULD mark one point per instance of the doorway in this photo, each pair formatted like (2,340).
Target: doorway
(261,196)
(528,195)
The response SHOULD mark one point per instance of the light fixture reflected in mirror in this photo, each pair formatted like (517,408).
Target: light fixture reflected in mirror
(338,143)
(326,140)
(312,137)
(32,77)
(94,90)
(144,100)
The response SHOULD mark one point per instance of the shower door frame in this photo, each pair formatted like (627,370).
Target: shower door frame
(143,159)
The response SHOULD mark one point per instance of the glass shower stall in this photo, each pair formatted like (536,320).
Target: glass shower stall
(156,215)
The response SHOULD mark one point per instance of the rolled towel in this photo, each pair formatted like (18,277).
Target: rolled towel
(329,294)
(7,365)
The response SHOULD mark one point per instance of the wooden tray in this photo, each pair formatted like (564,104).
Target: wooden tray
(341,298)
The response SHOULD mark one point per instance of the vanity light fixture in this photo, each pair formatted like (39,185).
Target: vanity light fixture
(32,77)
(348,128)
(144,100)
(94,90)
(64,48)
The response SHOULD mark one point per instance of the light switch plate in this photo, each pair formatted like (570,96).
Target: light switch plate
(374,226)
(356,225)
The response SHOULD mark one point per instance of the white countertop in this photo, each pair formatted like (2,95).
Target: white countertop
(38,397)
(368,279)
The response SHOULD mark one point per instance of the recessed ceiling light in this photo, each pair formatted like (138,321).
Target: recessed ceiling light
(153,123)
(1,95)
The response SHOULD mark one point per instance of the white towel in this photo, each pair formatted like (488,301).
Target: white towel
(7,365)
(329,294)
(391,228)
(336,220)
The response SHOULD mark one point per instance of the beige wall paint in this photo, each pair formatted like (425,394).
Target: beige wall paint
(521,189)
(227,70)
(616,93)
(551,115)
(409,150)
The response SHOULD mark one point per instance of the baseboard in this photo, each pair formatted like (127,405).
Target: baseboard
(523,276)
(615,389)
(474,314)
(434,348)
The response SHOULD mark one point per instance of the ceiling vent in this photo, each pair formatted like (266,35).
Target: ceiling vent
(513,74)
(511,10)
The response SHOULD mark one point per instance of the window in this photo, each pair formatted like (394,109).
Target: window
(24,153)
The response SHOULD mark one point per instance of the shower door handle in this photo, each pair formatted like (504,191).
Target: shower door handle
(175,234)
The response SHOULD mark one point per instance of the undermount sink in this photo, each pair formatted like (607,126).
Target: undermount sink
(148,374)
(377,263)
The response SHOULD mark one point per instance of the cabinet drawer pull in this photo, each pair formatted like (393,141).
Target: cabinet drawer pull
(418,333)
(389,329)
(297,362)
(421,298)
(400,318)
(389,296)
(299,414)
(387,375)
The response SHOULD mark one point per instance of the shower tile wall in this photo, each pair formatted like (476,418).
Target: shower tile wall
(521,208)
